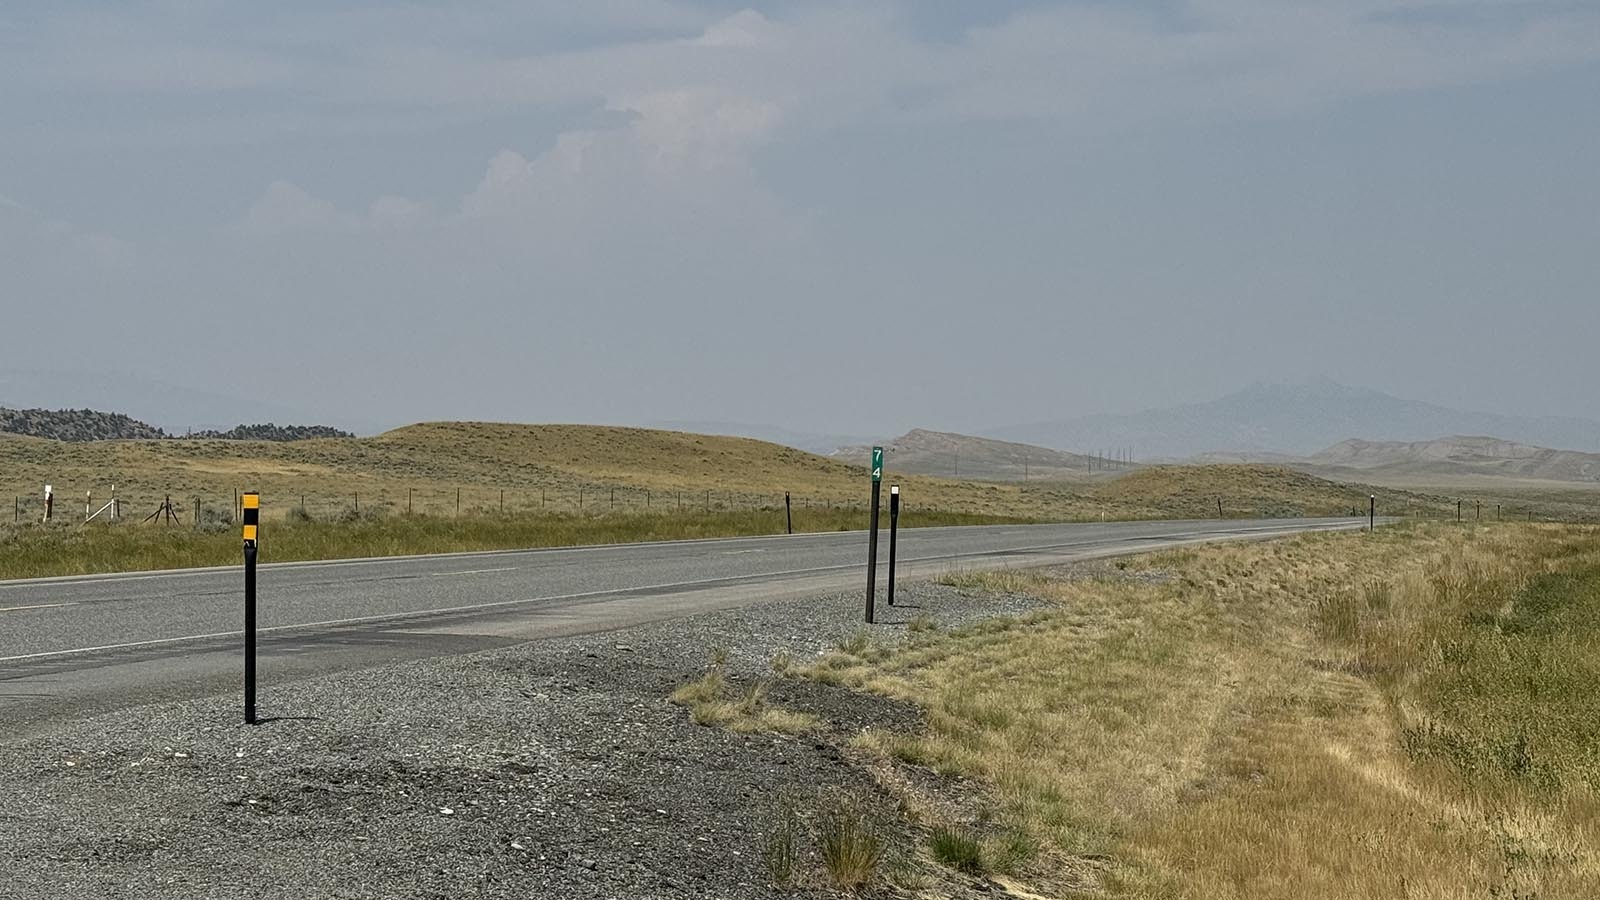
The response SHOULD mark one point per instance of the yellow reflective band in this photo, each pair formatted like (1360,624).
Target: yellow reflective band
(252,501)
(250,532)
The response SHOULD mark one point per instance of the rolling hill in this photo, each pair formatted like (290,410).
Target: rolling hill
(430,468)
(801,440)
(1455,457)
(951,455)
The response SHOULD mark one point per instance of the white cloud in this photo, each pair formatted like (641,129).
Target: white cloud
(699,128)
(673,178)
(746,28)
(287,207)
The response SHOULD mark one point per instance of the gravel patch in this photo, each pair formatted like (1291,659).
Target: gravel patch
(551,769)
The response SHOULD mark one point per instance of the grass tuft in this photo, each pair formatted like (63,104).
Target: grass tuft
(851,849)
(1003,581)
(711,700)
(780,847)
(857,644)
(957,848)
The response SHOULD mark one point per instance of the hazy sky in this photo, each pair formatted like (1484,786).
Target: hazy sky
(859,217)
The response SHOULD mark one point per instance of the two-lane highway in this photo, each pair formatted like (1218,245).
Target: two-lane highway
(69,646)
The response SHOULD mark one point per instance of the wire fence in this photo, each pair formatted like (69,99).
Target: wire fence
(315,503)
(199,509)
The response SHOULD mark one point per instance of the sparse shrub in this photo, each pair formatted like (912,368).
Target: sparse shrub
(957,848)
(921,624)
(299,515)
(782,662)
(851,849)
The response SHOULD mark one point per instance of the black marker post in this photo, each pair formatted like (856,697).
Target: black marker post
(872,534)
(251,505)
(894,528)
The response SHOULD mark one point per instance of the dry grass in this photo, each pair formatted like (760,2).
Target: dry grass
(999,581)
(780,847)
(851,848)
(712,700)
(1410,714)
(1252,491)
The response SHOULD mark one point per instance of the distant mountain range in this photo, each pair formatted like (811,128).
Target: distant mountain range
(942,453)
(1294,419)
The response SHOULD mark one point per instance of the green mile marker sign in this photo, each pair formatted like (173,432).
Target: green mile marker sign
(877,464)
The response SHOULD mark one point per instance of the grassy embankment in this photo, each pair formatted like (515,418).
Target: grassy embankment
(1406,715)
(554,485)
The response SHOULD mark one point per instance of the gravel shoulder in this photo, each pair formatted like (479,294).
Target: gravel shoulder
(551,769)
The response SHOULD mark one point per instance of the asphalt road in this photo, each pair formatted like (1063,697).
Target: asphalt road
(71,647)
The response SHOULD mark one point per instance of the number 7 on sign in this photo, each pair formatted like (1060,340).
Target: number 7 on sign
(877,464)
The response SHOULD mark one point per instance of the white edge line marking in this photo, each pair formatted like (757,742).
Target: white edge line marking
(475,572)
(35,606)
(1193,536)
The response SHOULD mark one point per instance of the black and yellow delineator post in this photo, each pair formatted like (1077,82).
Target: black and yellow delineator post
(251,506)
